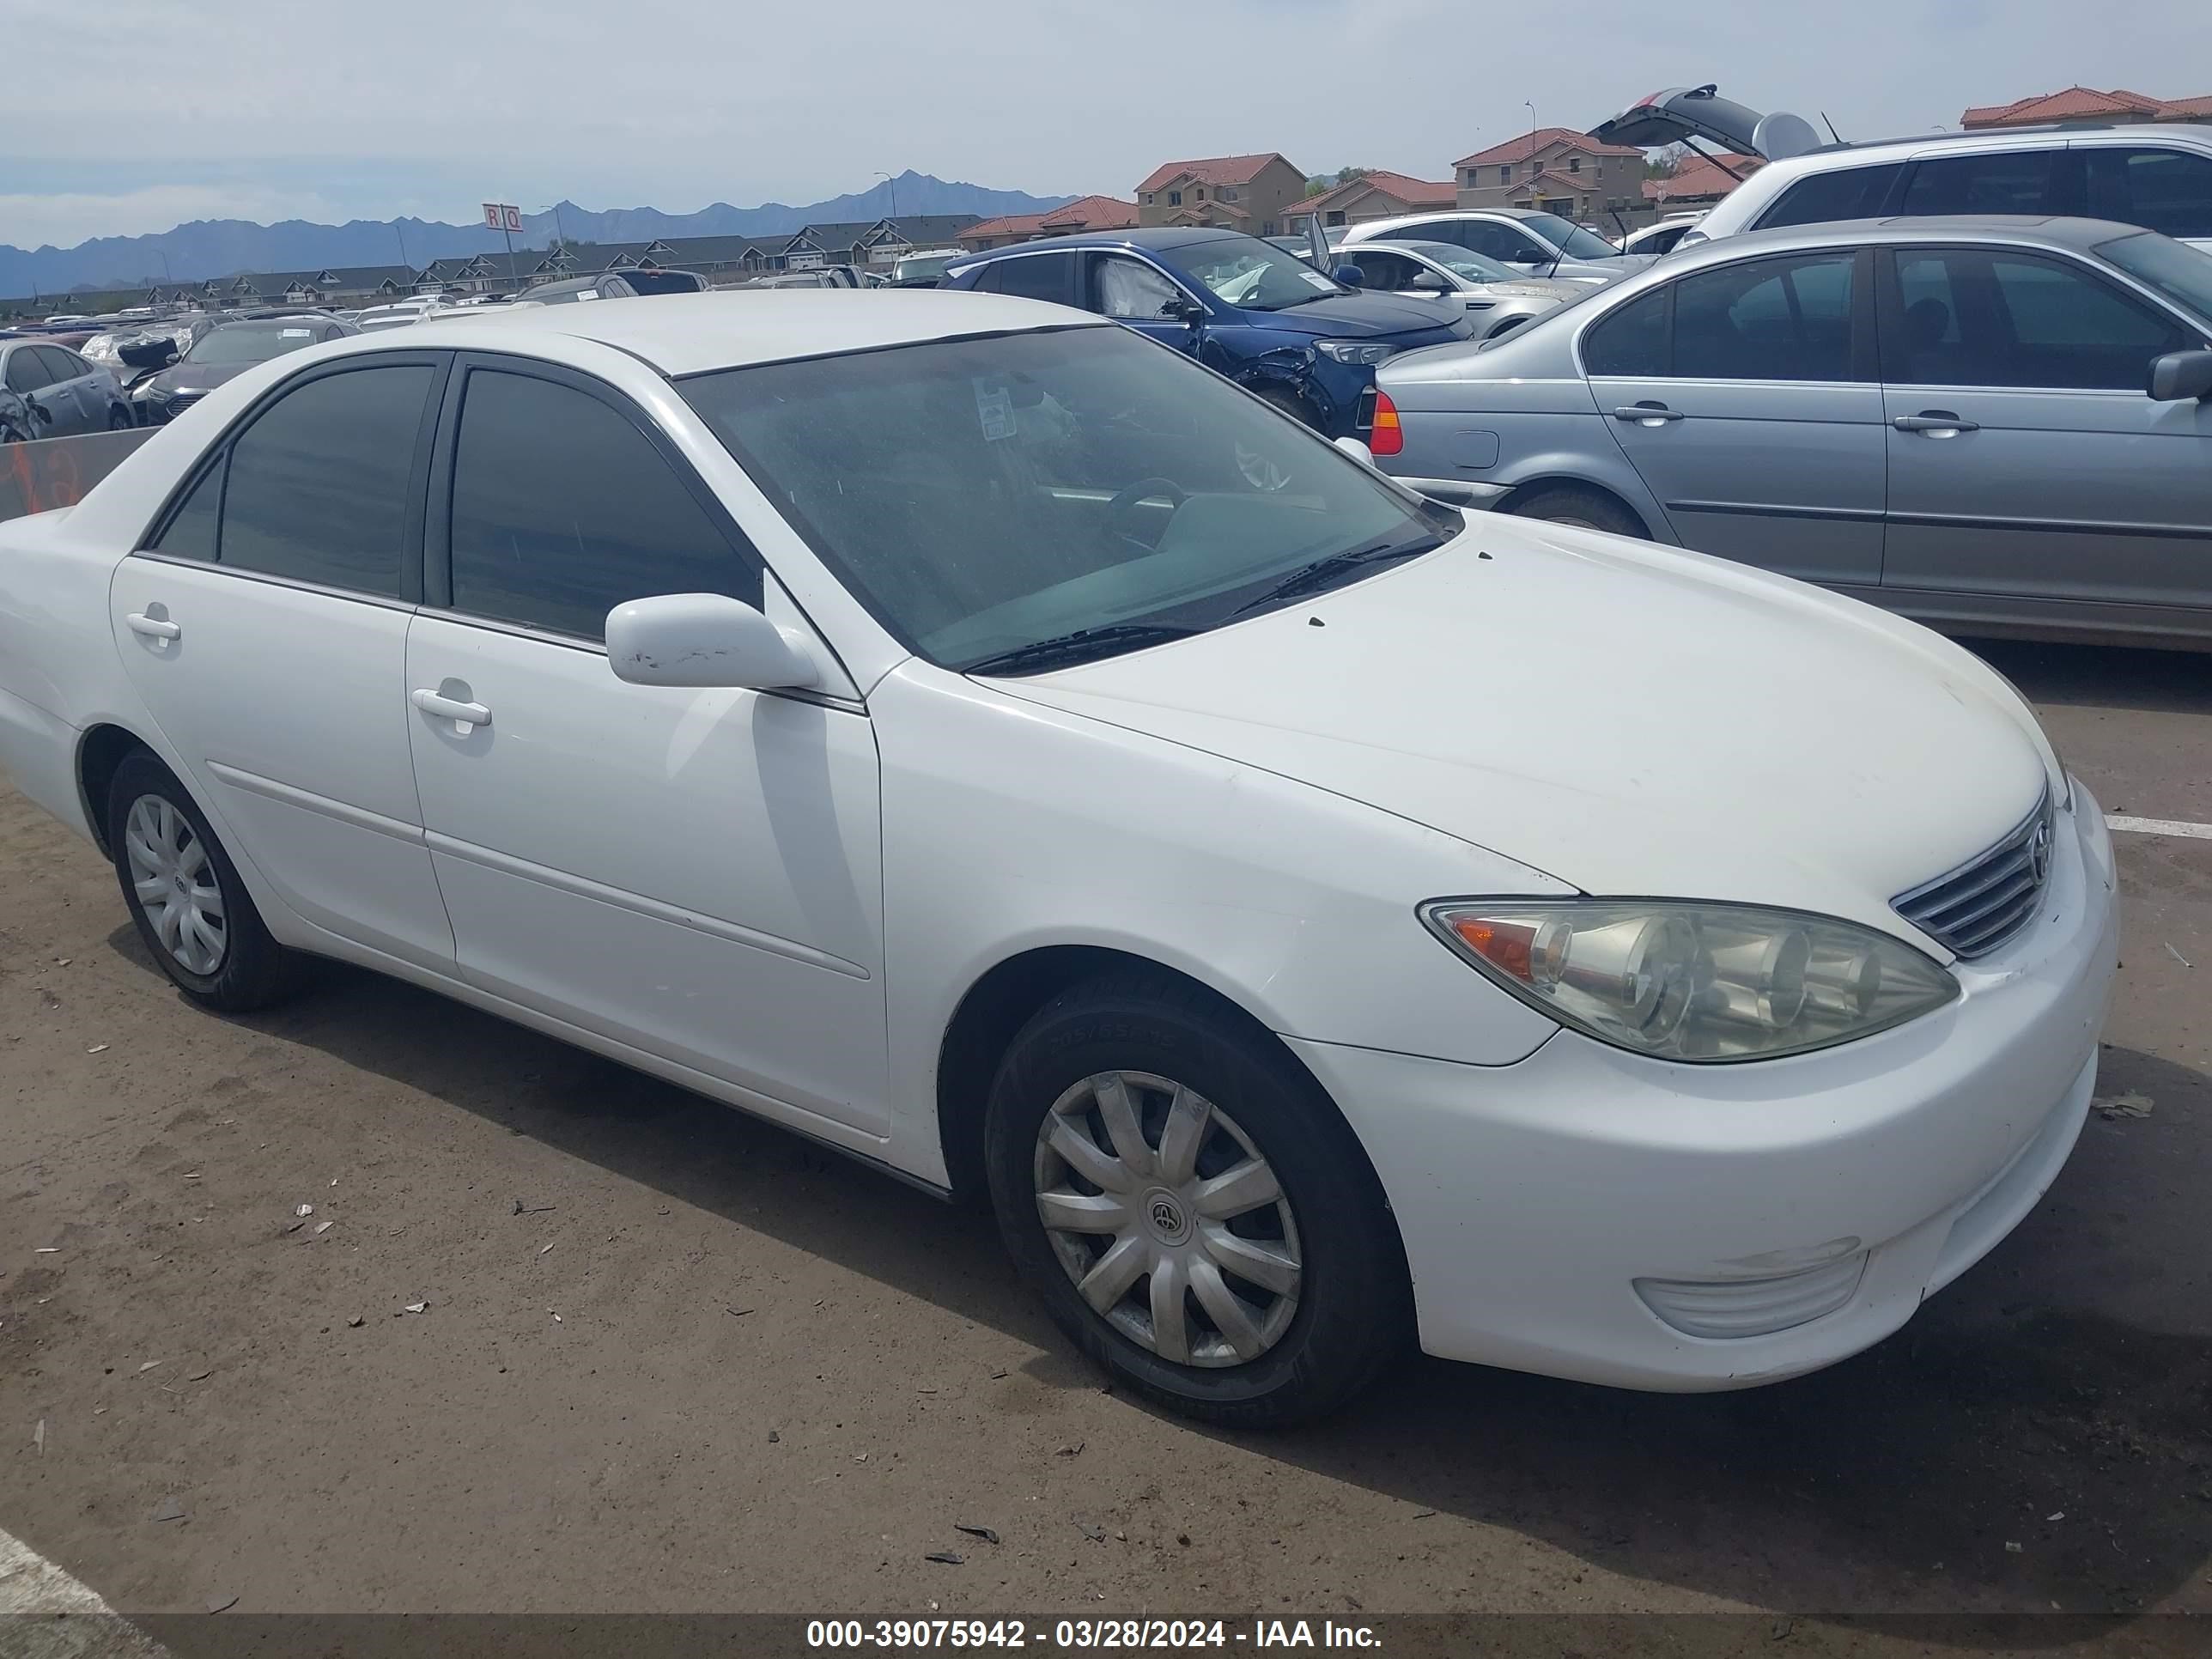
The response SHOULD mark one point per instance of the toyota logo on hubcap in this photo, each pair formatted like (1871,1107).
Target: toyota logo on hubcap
(1167,1217)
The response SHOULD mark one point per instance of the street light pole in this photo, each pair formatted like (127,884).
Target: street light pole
(1529,104)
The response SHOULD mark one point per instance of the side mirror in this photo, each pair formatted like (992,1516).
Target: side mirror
(1350,275)
(2181,376)
(39,411)
(1430,282)
(1358,451)
(703,639)
(1190,311)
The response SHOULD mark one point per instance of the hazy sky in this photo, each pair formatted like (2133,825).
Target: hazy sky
(160,113)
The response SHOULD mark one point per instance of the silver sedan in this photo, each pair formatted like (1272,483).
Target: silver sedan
(1496,297)
(1996,425)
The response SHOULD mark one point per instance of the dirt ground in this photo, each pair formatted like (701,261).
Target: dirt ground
(707,1369)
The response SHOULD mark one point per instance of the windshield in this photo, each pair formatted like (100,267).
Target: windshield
(1250,274)
(1465,261)
(1568,238)
(920,266)
(2174,269)
(982,496)
(252,342)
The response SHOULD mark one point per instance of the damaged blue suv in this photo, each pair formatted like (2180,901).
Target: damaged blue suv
(1303,341)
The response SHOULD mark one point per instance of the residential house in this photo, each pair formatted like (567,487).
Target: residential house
(1698,181)
(1377,194)
(1556,170)
(866,242)
(1084,214)
(1251,193)
(2084,107)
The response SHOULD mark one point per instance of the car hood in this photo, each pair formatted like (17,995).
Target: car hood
(1352,316)
(199,377)
(1531,289)
(1629,719)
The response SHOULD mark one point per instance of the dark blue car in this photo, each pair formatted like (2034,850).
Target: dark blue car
(1270,322)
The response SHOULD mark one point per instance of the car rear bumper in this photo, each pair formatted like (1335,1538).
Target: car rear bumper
(1593,1214)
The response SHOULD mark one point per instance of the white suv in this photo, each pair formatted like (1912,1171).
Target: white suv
(2157,176)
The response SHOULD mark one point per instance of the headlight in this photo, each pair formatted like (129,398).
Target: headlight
(1354,351)
(1693,981)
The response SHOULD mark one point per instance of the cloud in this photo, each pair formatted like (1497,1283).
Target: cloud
(675,103)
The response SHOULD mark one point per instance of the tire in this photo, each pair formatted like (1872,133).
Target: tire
(244,969)
(1291,1349)
(1586,509)
(1289,402)
(118,420)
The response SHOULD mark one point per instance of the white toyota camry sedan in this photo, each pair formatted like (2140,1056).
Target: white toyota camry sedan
(966,732)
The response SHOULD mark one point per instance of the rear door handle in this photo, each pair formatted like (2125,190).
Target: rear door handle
(152,628)
(1647,414)
(1935,423)
(446,709)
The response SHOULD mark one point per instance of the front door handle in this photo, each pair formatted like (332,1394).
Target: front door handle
(152,628)
(1935,423)
(1647,414)
(447,708)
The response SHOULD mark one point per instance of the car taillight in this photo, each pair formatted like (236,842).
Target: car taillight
(1389,437)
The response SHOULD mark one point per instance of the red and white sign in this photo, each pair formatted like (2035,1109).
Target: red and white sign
(514,217)
(503,216)
(491,216)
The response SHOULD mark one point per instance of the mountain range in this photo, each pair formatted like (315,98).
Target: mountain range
(221,247)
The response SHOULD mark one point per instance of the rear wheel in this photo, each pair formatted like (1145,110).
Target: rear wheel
(183,893)
(118,419)
(1191,1208)
(1585,509)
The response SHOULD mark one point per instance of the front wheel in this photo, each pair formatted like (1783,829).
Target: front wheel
(183,891)
(1191,1208)
(118,420)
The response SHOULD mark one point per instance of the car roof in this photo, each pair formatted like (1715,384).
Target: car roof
(691,333)
(2045,229)
(1157,239)
(2194,134)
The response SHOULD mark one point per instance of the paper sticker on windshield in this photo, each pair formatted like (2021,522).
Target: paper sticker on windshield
(995,408)
(1318,279)
(291,333)
(589,294)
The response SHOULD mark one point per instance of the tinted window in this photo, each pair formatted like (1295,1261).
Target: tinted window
(1134,292)
(1631,342)
(25,372)
(562,510)
(2011,181)
(1385,272)
(1967,318)
(1487,236)
(1846,193)
(318,482)
(1770,320)
(63,365)
(2163,190)
(1030,276)
(191,531)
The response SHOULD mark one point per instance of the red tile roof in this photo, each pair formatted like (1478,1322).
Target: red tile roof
(2081,103)
(1521,149)
(1697,178)
(1211,170)
(1413,192)
(1085,213)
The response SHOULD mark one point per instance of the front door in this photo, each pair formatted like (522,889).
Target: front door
(264,627)
(1145,298)
(2025,460)
(1745,397)
(693,873)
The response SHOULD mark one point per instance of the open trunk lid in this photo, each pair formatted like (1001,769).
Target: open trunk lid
(1680,113)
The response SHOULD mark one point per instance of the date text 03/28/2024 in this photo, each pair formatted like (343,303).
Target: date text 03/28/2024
(1086,1634)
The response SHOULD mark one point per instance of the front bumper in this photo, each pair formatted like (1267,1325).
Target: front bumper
(1532,1199)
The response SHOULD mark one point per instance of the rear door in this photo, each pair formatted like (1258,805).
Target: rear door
(2025,460)
(1745,396)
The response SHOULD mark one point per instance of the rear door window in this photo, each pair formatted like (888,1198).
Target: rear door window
(2168,190)
(2004,181)
(1632,342)
(319,483)
(1844,193)
(1031,276)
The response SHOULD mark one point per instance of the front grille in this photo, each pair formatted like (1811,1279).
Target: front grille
(1984,902)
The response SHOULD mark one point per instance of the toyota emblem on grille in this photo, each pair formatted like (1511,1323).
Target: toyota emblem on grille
(2038,852)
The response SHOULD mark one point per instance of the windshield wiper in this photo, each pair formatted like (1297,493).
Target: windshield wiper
(1080,646)
(1323,573)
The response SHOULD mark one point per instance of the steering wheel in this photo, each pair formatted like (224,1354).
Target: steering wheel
(1118,510)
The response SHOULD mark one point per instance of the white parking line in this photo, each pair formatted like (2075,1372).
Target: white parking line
(46,1615)
(2157,827)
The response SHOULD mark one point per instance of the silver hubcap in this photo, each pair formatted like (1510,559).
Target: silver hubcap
(1169,1222)
(175,884)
